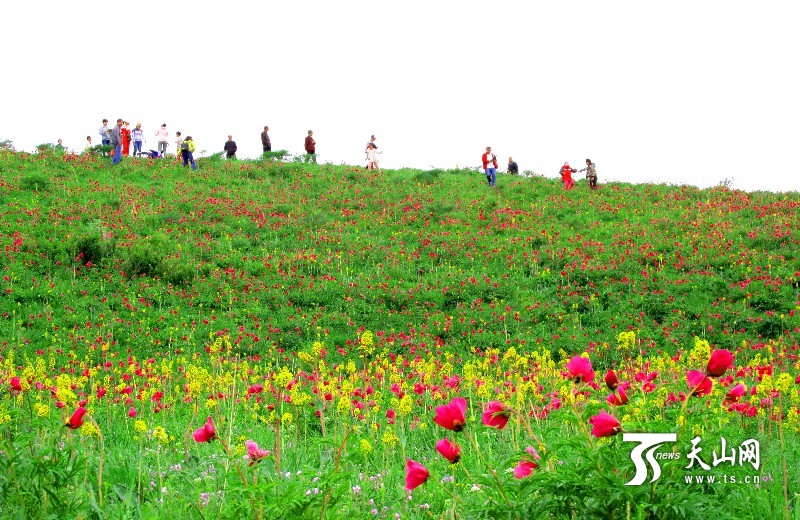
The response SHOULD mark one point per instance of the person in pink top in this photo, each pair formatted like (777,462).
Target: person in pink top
(162,135)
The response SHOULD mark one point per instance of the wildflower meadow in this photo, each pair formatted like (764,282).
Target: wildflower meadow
(270,339)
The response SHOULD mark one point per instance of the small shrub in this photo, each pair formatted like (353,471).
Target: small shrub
(35,183)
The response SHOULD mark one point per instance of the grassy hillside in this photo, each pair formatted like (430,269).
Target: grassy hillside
(329,313)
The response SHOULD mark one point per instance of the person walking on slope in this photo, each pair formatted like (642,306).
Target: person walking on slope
(230,148)
(162,135)
(116,141)
(178,146)
(311,148)
(372,157)
(566,176)
(187,149)
(266,144)
(490,165)
(591,174)
(126,139)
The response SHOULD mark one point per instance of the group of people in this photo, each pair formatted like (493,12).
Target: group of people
(120,136)
(490,166)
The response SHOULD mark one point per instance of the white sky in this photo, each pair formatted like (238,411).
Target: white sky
(678,92)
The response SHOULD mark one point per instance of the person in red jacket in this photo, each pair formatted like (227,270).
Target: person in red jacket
(490,165)
(125,132)
(566,176)
(311,147)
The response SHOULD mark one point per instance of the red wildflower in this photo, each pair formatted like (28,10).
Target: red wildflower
(524,468)
(416,474)
(254,453)
(206,433)
(451,416)
(449,451)
(496,414)
(580,369)
(76,421)
(132,412)
(604,425)
(611,380)
(16,384)
(735,393)
(255,389)
(619,398)
(699,384)
(719,362)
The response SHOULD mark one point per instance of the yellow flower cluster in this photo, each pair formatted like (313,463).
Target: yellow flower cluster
(160,435)
(367,343)
(42,410)
(139,426)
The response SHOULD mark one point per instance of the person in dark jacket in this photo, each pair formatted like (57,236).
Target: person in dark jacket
(311,147)
(116,142)
(230,148)
(265,142)
(591,173)
(513,169)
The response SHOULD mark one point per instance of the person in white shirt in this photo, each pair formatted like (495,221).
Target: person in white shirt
(372,157)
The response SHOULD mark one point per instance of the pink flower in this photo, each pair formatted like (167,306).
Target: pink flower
(255,453)
(449,451)
(611,380)
(580,369)
(735,393)
(255,389)
(16,384)
(76,421)
(132,412)
(206,433)
(524,468)
(451,416)
(496,414)
(719,362)
(619,398)
(604,425)
(699,384)
(416,474)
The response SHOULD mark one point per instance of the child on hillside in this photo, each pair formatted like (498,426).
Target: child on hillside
(178,144)
(372,157)
(162,135)
(187,149)
(566,176)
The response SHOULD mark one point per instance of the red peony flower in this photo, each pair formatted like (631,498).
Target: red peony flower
(76,421)
(449,451)
(619,398)
(580,369)
(719,362)
(416,474)
(451,416)
(254,453)
(604,425)
(524,468)
(496,414)
(611,380)
(735,393)
(699,384)
(206,433)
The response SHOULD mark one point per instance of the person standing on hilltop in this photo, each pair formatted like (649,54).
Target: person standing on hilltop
(178,145)
(116,141)
(311,148)
(230,148)
(513,169)
(138,139)
(163,135)
(370,142)
(89,144)
(591,174)
(126,139)
(566,176)
(105,133)
(265,142)
(490,166)
(372,157)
